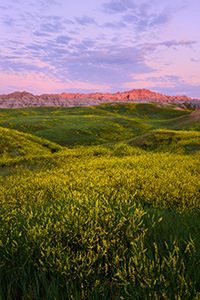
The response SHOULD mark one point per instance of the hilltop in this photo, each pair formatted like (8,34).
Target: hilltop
(25,99)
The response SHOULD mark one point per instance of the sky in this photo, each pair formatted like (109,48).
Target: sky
(55,46)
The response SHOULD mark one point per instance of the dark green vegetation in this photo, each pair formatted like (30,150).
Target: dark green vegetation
(112,221)
(94,125)
(183,142)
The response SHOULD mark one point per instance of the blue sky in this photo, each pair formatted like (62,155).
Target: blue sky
(53,46)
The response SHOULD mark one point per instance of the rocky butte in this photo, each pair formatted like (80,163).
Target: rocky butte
(24,99)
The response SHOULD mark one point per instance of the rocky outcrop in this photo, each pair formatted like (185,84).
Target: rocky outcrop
(196,114)
(195,103)
(24,99)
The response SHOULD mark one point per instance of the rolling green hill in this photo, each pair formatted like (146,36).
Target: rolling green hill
(115,220)
(95,125)
(16,146)
(183,142)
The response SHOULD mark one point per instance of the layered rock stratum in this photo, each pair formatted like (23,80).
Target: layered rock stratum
(25,99)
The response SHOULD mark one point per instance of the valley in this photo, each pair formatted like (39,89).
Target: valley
(100,202)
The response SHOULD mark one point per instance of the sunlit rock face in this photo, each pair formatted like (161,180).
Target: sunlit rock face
(24,99)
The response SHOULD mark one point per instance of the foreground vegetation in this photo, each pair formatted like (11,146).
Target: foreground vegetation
(100,222)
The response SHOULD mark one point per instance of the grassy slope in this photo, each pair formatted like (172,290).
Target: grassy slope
(97,222)
(91,125)
(101,223)
(15,145)
(183,142)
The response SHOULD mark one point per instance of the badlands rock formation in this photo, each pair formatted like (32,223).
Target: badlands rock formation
(24,99)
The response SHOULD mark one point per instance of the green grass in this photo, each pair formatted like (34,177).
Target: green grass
(184,142)
(146,111)
(16,146)
(93,125)
(182,123)
(114,221)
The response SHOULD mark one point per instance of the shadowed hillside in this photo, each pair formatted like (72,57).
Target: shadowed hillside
(95,125)
(17,144)
(184,142)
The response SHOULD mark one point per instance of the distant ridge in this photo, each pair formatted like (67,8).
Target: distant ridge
(25,99)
